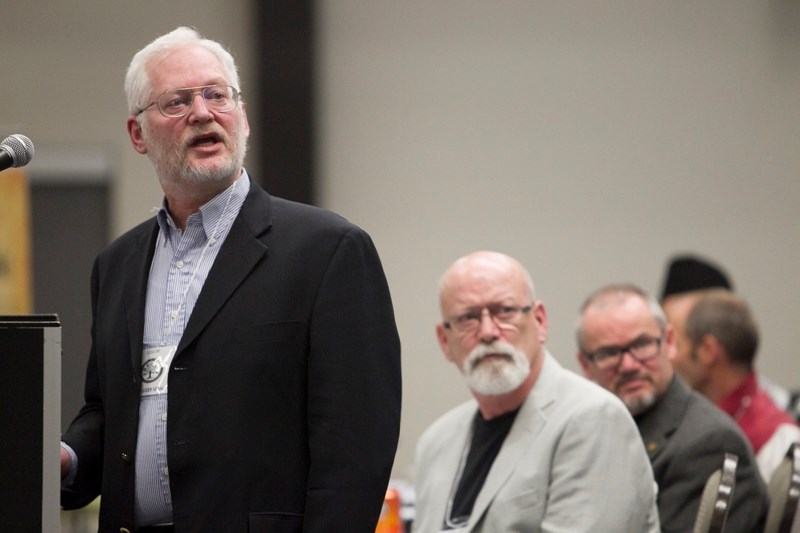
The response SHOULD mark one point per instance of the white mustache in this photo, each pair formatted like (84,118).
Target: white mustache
(482,351)
(499,378)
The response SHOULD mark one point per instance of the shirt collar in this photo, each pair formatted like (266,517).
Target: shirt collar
(209,212)
(733,401)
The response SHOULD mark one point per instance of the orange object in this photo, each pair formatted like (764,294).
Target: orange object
(16,294)
(389,522)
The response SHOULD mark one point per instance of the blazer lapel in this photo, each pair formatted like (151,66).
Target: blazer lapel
(135,276)
(239,254)
(658,424)
(529,422)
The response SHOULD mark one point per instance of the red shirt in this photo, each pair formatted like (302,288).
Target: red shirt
(754,411)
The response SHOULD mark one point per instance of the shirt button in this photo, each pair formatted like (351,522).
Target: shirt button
(166,471)
(179,264)
(164,417)
(173,314)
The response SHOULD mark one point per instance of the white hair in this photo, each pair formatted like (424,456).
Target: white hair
(138,87)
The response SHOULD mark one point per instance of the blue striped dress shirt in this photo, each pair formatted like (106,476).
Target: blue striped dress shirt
(181,263)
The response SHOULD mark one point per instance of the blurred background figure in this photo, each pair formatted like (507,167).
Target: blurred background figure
(625,344)
(723,340)
(686,279)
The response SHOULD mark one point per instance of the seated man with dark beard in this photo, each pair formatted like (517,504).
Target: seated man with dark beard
(540,448)
(626,345)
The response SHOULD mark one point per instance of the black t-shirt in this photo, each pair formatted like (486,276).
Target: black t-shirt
(485,443)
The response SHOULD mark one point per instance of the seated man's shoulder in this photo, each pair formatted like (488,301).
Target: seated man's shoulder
(585,396)
(461,415)
(701,411)
(704,424)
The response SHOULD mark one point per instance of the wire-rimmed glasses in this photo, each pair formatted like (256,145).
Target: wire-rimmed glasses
(176,103)
(501,314)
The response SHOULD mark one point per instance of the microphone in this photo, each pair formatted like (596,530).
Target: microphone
(15,151)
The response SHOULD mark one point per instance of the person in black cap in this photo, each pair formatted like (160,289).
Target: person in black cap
(687,273)
(688,279)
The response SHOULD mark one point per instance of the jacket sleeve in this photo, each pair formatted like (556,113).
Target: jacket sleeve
(354,390)
(85,433)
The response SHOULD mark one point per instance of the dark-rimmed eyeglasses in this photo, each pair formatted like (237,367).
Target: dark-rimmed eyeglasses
(610,357)
(503,315)
(177,102)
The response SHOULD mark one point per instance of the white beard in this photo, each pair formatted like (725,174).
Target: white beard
(170,160)
(498,375)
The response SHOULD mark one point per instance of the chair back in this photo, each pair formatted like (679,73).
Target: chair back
(716,500)
(784,493)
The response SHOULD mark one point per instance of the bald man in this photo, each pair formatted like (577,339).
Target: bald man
(539,448)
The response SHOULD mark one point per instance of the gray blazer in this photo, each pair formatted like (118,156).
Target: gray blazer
(572,462)
(687,437)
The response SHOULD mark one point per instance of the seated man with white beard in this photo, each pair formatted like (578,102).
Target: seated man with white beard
(625,344)
(540,448)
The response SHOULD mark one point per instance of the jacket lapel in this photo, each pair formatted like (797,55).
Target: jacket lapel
(529,422)
(240,253)
(135,276)
(658,424)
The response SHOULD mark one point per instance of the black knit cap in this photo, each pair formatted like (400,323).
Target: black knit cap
(689,273)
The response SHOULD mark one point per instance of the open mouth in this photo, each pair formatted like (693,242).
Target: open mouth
(205,140)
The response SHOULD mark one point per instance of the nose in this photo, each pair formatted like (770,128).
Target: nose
(198,112)
(628,362)
(489,330)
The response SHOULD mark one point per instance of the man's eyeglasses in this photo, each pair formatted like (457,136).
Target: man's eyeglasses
(177,102)
(610,357)
(502,315)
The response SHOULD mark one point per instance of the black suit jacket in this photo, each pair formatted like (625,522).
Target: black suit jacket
(686,437)
(284,393)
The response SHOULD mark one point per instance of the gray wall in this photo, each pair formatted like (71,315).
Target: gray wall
(589,139)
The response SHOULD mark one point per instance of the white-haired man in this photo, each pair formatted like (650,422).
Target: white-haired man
(244,373)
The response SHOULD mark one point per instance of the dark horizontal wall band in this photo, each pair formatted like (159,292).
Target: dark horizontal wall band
(285,74)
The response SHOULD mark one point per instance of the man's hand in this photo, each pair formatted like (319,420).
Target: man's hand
(66,463)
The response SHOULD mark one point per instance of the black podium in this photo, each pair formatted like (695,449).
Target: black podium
(30,422)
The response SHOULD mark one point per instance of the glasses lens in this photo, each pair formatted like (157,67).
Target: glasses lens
(220,97)
(645,349)
(175,103)
(607,359)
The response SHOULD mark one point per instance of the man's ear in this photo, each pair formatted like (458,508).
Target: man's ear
(709,351)
(135,133)
(670,342)
(585,365)
(540,314)
(444,342)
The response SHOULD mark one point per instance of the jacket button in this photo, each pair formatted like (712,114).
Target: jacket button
(124,530)
(126,459)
